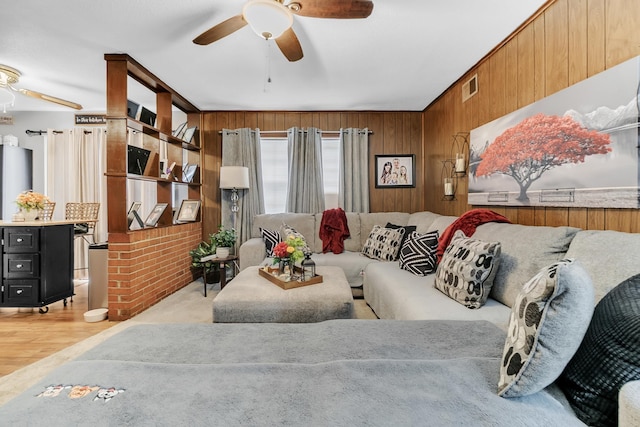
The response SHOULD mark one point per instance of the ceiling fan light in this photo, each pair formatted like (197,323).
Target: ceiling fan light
(267,18)
(7,98)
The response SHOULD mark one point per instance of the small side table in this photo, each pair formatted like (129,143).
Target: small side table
(221,262)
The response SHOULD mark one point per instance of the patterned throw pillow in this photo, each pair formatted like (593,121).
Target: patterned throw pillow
(608,357)
(271,239)
(418,253)
(288,231)
(408,229)
(467,269)
(383,243)
(548,321)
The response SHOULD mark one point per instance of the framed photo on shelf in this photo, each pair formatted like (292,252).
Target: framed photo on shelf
(155,214)
(180,130)
(188,172)
(134,215)
(395,170)
(188,134)
(188,211)
(132,109)
(147,116)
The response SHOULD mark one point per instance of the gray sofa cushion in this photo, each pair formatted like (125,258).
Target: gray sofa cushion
(352,263)
(525,251)
(596,249)
(303,223)
(422,220)
(396,294)
(441,223)
(368,220)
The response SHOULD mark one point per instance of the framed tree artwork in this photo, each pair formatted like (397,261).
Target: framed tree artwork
(395,170)
(575,148)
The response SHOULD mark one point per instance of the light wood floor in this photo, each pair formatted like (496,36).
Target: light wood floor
(28,336)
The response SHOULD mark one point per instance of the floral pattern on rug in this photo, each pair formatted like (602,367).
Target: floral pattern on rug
(80,391)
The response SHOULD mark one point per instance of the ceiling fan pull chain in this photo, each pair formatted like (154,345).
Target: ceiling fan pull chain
(267,77)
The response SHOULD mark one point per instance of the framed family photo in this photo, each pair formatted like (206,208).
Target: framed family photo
(188,211)
(134,214)
(395,170)
(155,214)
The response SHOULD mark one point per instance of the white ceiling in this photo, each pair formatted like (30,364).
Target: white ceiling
(400,58)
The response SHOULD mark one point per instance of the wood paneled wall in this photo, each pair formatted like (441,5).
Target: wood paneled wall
(393,133)
(567,42)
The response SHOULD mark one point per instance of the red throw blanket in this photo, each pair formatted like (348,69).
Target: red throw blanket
(467,223)
(333,230)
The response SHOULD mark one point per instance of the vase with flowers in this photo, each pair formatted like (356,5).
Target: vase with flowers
(287,254)
(31,204)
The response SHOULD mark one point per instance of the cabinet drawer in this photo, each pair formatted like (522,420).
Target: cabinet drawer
(19,240)
(20,293)
(18,266)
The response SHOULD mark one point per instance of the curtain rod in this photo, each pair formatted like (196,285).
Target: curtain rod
(57,132)
(39,132)
(285,131)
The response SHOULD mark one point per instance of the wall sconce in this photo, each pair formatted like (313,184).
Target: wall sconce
(234,178)
(456,166)
(449,179)
(460,146)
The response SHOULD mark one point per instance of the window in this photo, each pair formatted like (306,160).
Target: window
(275,172)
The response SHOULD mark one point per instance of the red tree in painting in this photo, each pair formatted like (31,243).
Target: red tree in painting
(537,144)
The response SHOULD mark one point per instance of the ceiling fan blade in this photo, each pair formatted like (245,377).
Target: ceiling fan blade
(50,98)
(221,30)
(290,45)
(338,9)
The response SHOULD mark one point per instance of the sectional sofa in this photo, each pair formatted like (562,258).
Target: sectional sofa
(600,261)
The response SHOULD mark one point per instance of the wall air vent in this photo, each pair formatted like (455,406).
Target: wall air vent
(470,88)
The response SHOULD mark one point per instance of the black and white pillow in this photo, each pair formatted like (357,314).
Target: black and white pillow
(548,321)
(271,238)
(608,357)
(383,243)
(418,253)
(288,231)
(467,269)
(408,229)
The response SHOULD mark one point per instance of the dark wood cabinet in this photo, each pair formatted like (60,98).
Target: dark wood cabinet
(37,265)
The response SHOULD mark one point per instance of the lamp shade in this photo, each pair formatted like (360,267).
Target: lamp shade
(267,18)
(234,177)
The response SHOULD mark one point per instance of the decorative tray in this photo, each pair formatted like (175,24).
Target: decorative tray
(270,274)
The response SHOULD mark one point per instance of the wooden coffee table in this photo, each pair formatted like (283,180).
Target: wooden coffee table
(252,298)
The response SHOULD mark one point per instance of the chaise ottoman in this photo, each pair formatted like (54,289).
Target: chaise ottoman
(252,298)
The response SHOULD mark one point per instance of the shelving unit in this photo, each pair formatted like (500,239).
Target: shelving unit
(147,264)
(154,138)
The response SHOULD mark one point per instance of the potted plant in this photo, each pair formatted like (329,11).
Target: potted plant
(210,270)
(223,240)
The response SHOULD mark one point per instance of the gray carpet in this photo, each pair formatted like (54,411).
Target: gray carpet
(339,372)
(188,305)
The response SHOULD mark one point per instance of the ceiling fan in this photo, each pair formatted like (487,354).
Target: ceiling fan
(10,76)
(272,19)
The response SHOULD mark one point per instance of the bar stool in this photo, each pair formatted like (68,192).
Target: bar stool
(47,211)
